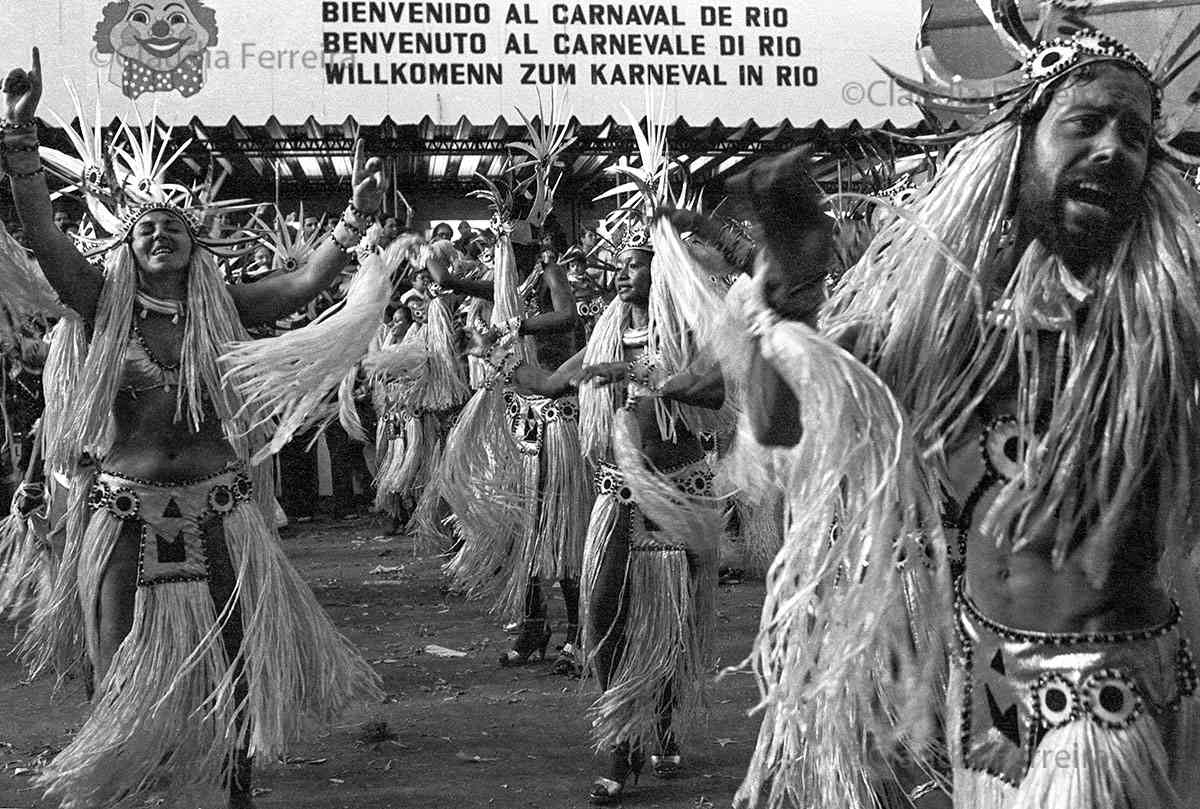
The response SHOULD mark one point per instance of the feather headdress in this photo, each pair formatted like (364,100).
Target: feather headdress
(656,186)
(122,179)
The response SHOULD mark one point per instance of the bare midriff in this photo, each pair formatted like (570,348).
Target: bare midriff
(150,444)
(664,454)
(1023,589)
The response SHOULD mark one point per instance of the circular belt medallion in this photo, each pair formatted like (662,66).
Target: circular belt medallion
(124,504)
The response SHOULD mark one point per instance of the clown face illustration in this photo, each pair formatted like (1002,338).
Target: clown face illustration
(157,45)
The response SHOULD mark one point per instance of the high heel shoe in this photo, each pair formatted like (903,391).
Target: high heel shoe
(610,789)
(533,640)
(569,662)
(666,763)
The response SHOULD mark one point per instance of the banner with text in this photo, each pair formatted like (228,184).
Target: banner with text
(213,59)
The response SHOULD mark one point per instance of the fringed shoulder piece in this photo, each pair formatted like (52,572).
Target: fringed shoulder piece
(289,382)
(850,651)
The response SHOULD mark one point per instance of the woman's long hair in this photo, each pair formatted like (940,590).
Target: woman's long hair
(212,322)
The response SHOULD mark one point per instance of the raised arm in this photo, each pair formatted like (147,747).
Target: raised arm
(441,257)
(77,282)
(274,297)
(797,250)
(537,380)
(564,315)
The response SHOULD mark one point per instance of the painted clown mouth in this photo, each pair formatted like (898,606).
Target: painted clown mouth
(164,47)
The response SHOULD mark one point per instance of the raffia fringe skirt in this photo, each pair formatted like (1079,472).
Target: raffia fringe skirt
(174,698)
(1073,721)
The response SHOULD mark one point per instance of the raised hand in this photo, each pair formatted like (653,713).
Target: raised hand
(439,259)
(797,234)
(22,91)
(367,180)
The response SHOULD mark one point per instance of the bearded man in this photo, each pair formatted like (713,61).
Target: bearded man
(1020,385)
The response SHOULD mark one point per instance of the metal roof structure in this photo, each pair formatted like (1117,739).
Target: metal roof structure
(313,157)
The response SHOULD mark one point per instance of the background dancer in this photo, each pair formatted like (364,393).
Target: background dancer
(650,571)
(637,566)
(547,539)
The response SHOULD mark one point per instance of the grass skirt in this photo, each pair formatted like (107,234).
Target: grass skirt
(552,489)
(413,448)
(1073,721)
(175,697)
(27,562)
(668,597)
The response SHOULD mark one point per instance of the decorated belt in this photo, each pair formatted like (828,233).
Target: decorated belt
(396,417)
(540,408)
(529,415)
(592,308)
(1020,685)
(172,547)
(693,479)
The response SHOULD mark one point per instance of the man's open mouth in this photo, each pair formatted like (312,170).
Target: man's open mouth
(1094,194)
(162,250)
(164,48)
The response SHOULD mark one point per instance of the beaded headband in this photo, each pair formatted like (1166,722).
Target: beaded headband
(130,217)
(1052,59)
(636,236)
(1063,42)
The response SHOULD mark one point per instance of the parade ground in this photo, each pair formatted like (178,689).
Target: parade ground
(457,731)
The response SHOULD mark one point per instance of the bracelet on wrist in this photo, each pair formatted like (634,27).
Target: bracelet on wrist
(514,324)
(359,213)
(20,148)
(9,125)
(25,175)
(644,372)
(511,372)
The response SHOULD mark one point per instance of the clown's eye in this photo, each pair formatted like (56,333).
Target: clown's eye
(139,17)
(177,19)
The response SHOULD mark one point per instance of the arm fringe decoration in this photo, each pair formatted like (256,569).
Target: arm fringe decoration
(291,379)
(26,293)
(850,650)
(480,476)
(443,385)
(598,403)
(405,362)
(60,381)
(347,412)
(106,354)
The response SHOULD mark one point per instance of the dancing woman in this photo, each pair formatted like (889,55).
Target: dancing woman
(207,648)
(650,559)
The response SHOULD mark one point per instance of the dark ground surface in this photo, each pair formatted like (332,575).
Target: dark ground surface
(467,733)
